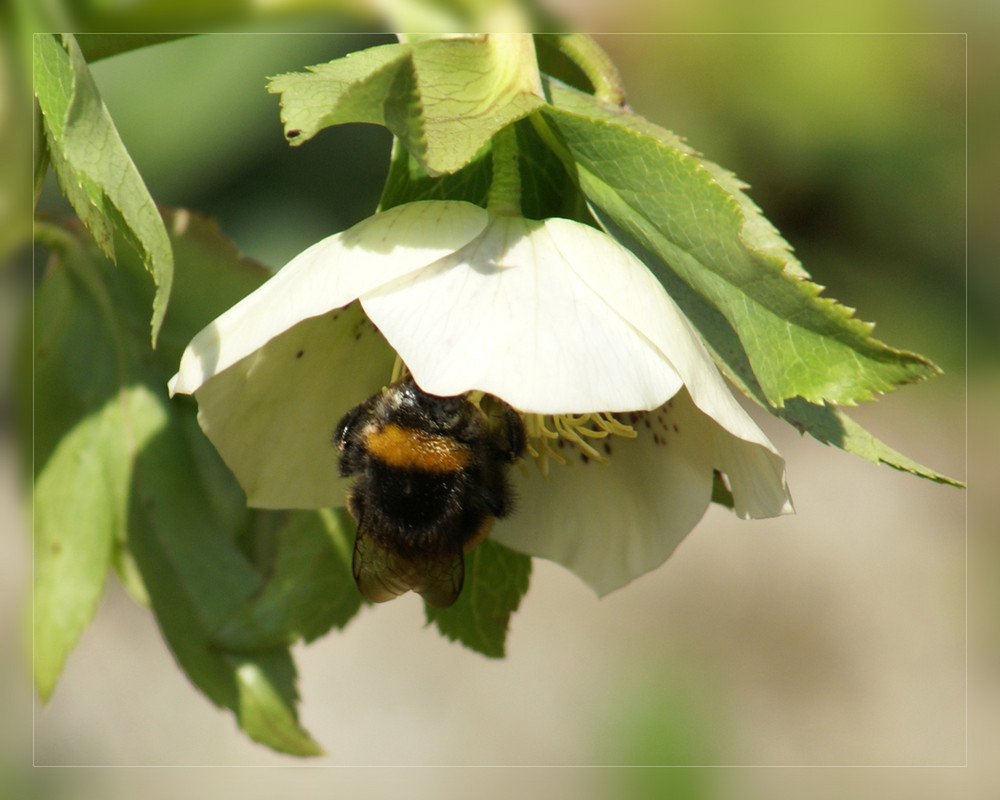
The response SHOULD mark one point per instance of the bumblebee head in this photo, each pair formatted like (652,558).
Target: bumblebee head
(413,407)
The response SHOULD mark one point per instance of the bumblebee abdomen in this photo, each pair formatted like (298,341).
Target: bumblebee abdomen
(415,498)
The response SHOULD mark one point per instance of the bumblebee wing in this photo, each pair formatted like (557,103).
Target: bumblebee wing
(375,571)
(441,579)
(382,574)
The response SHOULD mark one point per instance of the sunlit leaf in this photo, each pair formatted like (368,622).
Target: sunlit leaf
(831,425)
(443,99)
(824,422)
(267,700)
(94,169)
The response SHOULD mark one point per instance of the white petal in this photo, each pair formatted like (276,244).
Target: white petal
(328,275)
(610,523)
(508,315)
(755,469)
(633,291)
(272,414)
(756,476)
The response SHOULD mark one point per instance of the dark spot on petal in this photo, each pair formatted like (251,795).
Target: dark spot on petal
(676,429)
(293,134)
(300,354)
(583,458)
(607,448)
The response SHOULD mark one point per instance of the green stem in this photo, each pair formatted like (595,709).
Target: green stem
(505,186)
(603,75)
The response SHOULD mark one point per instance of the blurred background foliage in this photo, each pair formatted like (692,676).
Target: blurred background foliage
(220,149)
(854,145)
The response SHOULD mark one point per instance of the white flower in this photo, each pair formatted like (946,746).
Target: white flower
(551,316)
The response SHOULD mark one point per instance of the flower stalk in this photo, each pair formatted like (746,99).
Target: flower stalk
(505,187)
(600,70)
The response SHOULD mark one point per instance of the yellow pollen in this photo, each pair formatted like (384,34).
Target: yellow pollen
(574,428)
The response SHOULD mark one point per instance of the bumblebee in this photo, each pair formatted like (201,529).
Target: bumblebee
(430,479)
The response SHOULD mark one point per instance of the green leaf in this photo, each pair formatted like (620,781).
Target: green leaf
(156,488)
(89,419)
(694,218)
(267,701)
(196,578)
(825,423)
(40,154)
(496,579)
(309,588)
(93,167)
(76,515)
(443,99)
(831,425)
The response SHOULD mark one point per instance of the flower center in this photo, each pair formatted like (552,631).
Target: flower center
(548,434)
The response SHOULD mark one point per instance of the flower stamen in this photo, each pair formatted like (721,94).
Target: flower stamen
(399,370)
(574,428)
(539,445)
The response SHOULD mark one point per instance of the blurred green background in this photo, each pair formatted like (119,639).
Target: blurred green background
(836,637)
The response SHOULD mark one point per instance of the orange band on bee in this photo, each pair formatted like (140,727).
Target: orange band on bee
(411,449)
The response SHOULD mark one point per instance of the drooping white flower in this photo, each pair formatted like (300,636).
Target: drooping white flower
(551,316)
